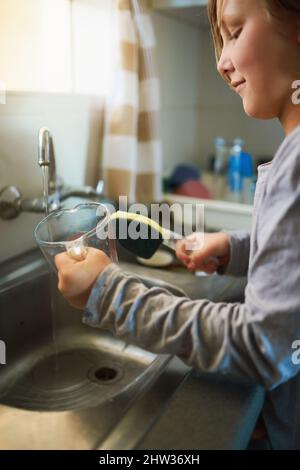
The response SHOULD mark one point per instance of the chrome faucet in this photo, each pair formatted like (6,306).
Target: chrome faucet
(12,202)
(46,157)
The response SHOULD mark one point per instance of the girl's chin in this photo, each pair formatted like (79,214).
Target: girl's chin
(256,111)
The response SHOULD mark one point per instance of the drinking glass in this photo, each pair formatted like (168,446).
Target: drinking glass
(74,230)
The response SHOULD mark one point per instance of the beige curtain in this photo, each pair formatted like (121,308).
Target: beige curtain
(132,156)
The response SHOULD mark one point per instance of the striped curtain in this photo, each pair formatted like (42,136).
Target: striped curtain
(132,155)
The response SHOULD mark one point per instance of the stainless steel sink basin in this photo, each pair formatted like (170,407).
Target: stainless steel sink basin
(64,385)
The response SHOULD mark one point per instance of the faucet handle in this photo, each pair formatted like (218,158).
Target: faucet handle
(10,202)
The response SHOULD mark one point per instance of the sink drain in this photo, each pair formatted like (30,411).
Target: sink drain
(105,374)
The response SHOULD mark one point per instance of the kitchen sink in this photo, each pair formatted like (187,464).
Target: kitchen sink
(66,385)
(69,386)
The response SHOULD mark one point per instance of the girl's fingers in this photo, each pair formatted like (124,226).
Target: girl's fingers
(191,266)
(209,267)
(63,259)
(181,252)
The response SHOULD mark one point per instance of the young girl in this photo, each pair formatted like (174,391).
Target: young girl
(258,49)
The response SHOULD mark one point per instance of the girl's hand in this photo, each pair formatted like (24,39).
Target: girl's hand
(214,252)
(77,278)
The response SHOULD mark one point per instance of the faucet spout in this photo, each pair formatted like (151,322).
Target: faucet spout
(44,147)
(46,157)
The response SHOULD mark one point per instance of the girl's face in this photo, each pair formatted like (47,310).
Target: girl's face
(258,54)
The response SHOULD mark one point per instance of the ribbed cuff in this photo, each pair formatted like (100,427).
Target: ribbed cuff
(93,307)
(239,241)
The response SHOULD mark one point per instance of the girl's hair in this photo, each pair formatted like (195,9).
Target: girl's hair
(279,9)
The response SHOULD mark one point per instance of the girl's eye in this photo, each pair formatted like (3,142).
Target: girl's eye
(235,35)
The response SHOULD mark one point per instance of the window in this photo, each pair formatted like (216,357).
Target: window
(56,45)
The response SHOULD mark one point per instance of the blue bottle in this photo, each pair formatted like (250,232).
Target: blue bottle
(241,174)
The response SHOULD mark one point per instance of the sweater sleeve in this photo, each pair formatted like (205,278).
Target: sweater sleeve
(245,340)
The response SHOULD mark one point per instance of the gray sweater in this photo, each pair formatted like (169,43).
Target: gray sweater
(251,340)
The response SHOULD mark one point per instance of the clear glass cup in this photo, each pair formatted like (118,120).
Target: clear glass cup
(74,230)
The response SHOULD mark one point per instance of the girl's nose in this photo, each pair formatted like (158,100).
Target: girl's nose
(225,66)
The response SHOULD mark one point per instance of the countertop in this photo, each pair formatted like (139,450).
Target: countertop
(206,412)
